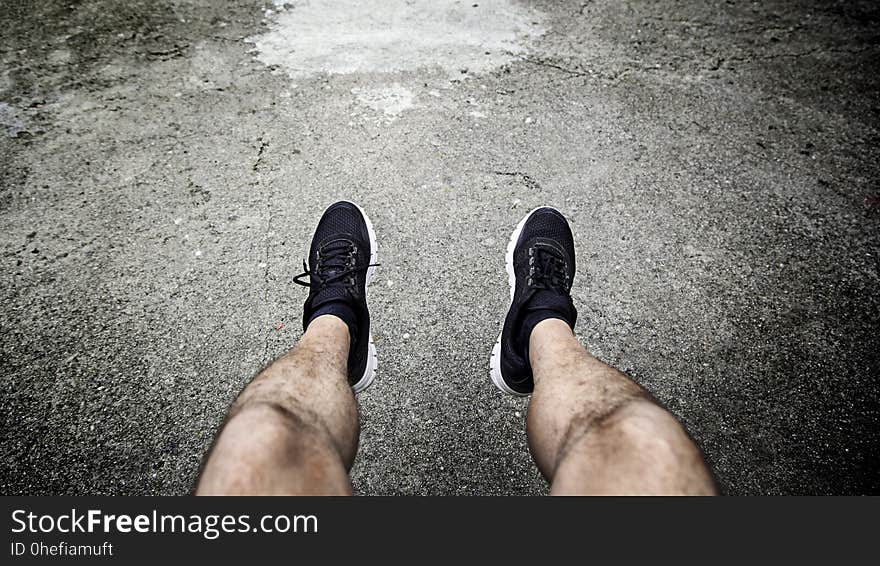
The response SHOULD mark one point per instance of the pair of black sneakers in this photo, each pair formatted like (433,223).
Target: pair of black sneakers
(540,270)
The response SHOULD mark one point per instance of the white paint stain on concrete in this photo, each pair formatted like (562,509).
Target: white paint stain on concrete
(390,101)
(309,37)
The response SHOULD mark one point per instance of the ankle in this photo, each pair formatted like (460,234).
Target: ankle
(326,341)
(328,327)
(554,351)
(551,334)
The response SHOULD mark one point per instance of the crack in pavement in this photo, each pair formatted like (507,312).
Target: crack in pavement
(544,63)
(259,160)
(266,235)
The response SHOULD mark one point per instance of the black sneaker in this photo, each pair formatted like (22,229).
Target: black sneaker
(342,259)
(540,271)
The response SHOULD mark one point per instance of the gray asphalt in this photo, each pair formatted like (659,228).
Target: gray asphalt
(159,183)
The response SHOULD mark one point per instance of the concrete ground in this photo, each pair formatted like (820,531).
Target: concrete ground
(163,163)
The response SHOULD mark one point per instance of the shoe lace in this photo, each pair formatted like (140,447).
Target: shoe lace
(336,264)
(547,269)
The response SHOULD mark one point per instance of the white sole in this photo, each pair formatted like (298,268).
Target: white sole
(495,360)
(372,362)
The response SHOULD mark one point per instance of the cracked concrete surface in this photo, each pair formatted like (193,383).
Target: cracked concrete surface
(159,183)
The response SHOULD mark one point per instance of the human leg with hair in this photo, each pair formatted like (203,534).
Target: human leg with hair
(591,429)
(294,428)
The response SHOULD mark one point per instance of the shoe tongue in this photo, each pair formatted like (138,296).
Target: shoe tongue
(334,257)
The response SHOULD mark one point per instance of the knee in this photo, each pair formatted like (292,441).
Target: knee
(267,448)
(254,427)
(637,448)
(269,413)
(652,439)
(643,423)
(267,422)
(263,431)
(637,425)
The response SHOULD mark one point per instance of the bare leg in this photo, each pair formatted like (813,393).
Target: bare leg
(294,429)
(592,430)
